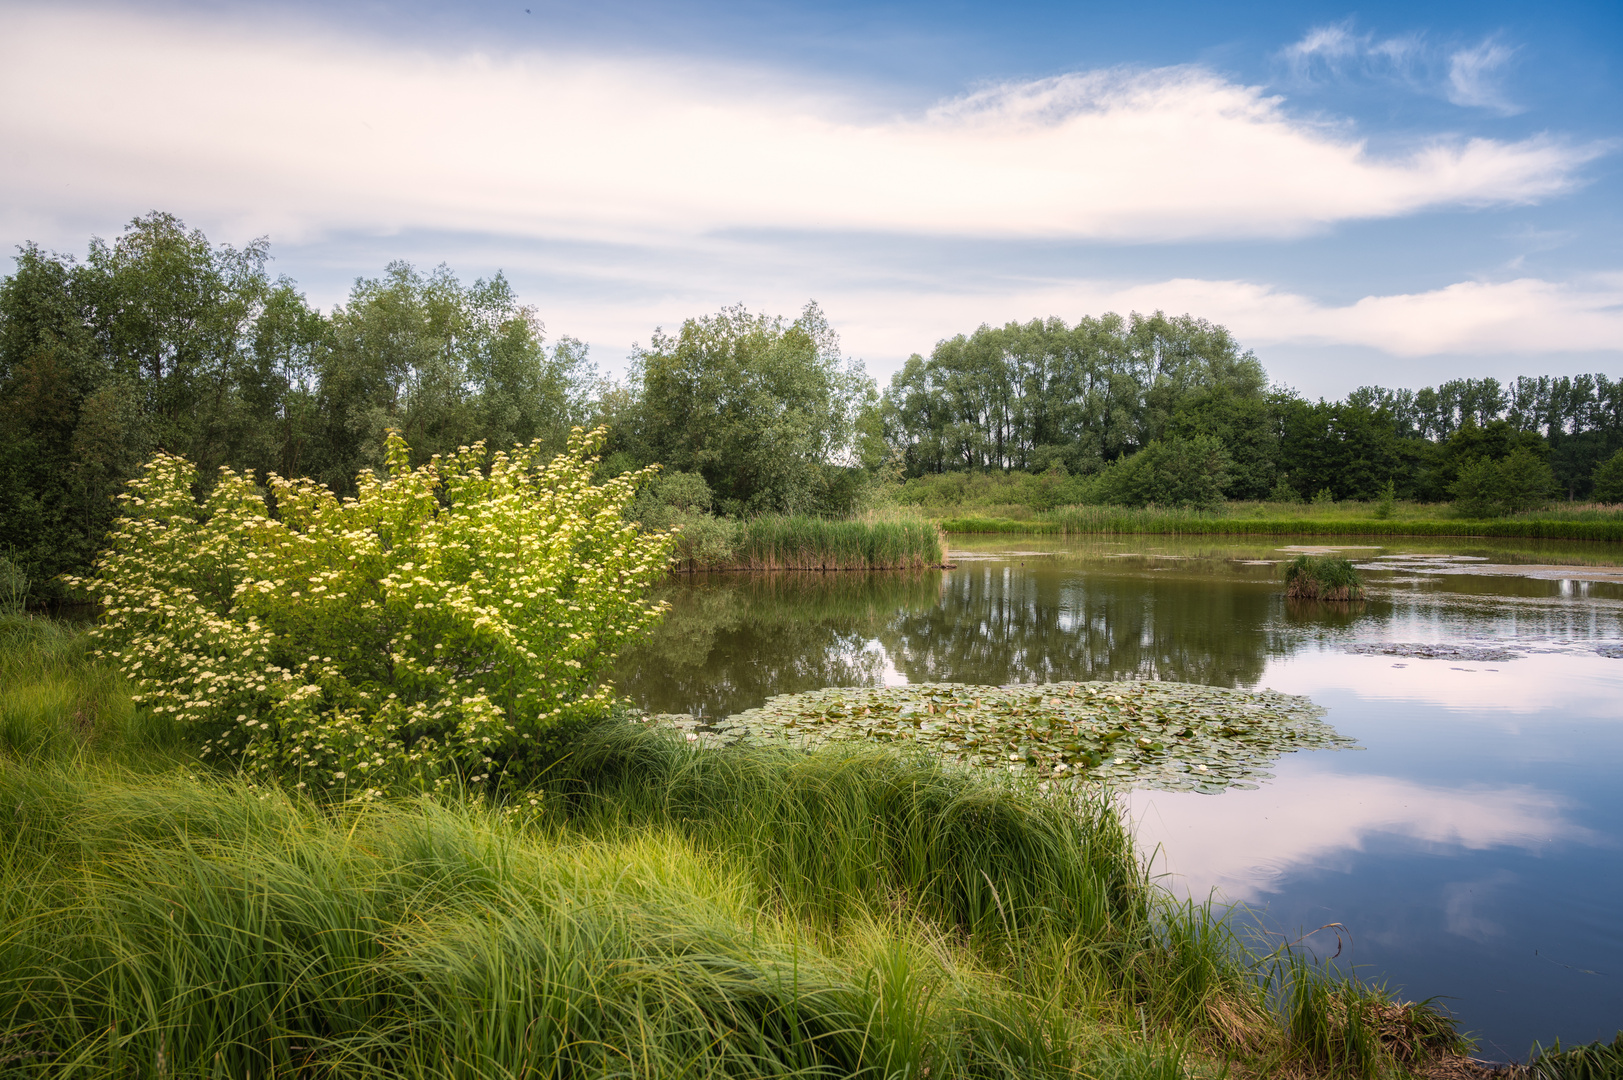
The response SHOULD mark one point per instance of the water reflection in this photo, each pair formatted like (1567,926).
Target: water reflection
(1043,622)
(1472,847)
(732,641)
(1309,818)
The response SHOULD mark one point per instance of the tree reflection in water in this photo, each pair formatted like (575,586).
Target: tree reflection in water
(731,642)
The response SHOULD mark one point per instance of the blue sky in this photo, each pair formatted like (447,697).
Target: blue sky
(1395,193)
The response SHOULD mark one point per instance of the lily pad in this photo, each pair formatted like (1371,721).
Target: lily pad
(1172,736)
(1436,651)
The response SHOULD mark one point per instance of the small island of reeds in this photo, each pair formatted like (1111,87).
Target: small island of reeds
(1322,577)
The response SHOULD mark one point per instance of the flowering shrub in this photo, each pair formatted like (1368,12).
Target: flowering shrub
(446,624)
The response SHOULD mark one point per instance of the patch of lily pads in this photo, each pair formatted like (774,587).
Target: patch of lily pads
(1423,651)
(1166,735)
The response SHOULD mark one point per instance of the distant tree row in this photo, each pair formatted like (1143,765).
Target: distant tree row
(1085,399)
(161,341)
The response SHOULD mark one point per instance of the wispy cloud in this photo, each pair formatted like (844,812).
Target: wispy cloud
(1470,76)
(302,134)
(1473,77)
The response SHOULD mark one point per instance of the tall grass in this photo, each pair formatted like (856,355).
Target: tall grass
(1116,520)
(53,697)
(1322,577)
(657,911)
(808,543)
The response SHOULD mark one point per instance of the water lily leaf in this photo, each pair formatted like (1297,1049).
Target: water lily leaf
(1172,736)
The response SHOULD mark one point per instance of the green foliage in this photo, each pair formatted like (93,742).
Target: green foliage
(54,700)
(1608,479)
(1487,488)
(446,624)
(160,339)
(445,364)
(1324,497)
(1283,492)
(1174,736)
(805,543)
(14,587)
(1593,1061)
(764,409)
(1025,395)
(1388,501)
(1322,577)
(1177,472)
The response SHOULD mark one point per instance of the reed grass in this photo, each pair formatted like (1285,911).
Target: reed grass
(1322,577)
(777,542)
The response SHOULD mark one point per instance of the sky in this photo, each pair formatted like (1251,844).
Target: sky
(1395,194)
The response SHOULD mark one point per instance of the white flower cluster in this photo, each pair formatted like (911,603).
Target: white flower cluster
(431,630)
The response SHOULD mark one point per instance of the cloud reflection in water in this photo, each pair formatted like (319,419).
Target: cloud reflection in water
(1243,843)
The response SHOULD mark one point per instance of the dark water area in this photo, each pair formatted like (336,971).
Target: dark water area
(1472,850)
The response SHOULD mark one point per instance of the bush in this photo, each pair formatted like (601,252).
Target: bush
(1322,577)
(1283,492)
(1609,479)
(1387,502)
(1176,472)
(1519,482)
(446,625)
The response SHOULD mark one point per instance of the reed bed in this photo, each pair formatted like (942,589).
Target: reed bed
(1322,577)
(808,543)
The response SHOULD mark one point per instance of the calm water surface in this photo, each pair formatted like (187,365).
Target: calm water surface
(1471,850)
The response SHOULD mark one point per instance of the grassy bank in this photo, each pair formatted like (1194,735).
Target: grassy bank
(655,911)
(776,542)
(1243,521)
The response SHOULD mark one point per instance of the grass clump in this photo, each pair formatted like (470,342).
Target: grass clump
(1592,1061)
(658,910)
(1322,577)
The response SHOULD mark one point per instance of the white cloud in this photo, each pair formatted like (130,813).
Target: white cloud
(1514,318)
(1468,76)
(1472,77)
(300,135)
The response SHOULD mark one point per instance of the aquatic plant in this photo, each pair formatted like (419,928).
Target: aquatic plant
(807,543)
(1173,736)
(1322,577)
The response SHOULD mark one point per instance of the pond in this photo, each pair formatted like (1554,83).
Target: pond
(1470,849)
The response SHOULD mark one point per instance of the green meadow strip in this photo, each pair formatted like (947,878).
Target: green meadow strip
(1108,521)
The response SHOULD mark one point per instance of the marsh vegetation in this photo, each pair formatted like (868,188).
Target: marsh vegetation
(649,909)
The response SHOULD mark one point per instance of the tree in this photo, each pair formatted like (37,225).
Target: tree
(1609,479)
(148,343)
(447,364)
(762,407)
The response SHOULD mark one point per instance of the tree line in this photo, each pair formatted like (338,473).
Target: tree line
(1095,397)
(162,341)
